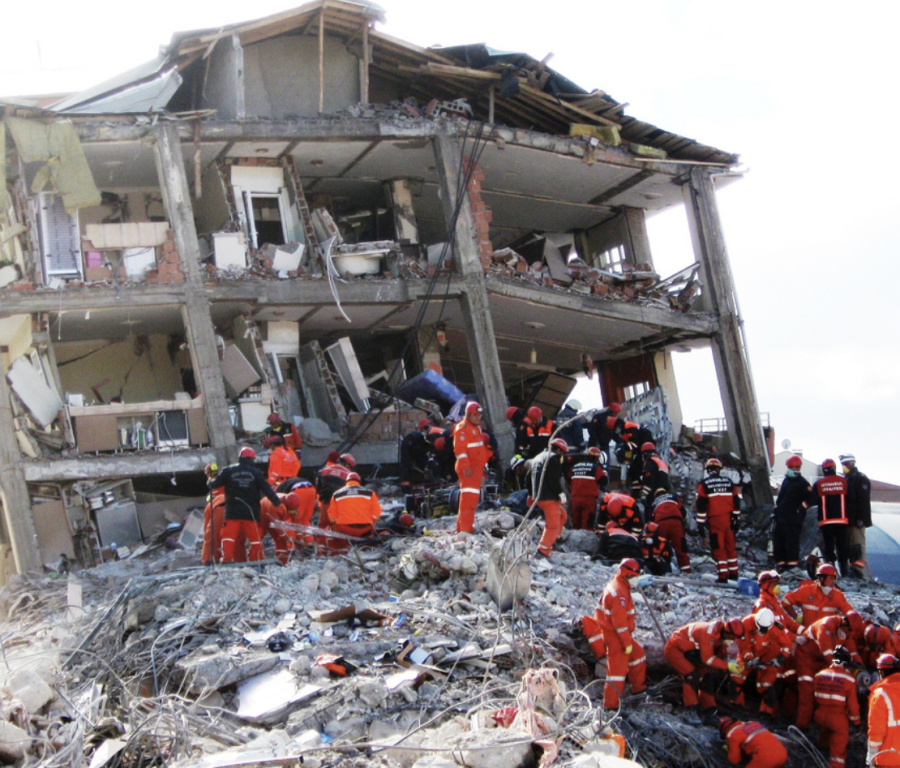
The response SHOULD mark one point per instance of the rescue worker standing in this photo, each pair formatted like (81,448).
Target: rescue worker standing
(884,704)
(283,462)
(831,491)
(285,430)
(859,513)
(605,427)
(666,511)
(213,520)
(353,512)
(547,489)
(719,508)
(836,707)
(329,479)
(586,478)
(526,430)
(243,484)
(820,598)
(752,739)
(794,497)
(624,655)
(414,454)
(654,475)
(471,456)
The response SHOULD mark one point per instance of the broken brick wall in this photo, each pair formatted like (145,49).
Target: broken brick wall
(481,214)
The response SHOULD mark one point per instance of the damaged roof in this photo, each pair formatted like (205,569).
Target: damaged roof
(529,94)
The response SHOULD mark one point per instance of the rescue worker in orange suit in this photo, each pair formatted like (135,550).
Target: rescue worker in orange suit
(815,648)
(543,429)
(285,430)
(353,512)
(284,512)
(586,477)
(878,640)
(836,706)
(719,509)
(859,513)
(764,647)
(884,704)
(213,520)
(667,512)
(547,489)
(243,484)
(306,492)
(471,456)
(656,550)
(752,739)
(526,432)
(621,509)
(283,462)
(328,480)
(831,491)
(695,649)
(654,475)
(769,597)
(794,497)
(820,598)
(625,658)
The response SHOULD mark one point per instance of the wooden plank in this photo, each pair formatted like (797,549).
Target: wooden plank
(547,98)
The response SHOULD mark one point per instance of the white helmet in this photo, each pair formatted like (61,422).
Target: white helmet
(765,618)
(847,457)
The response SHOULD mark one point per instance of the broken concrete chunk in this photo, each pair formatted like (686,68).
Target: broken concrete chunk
(27,687)
(14,742)
(141,612)
(204,672)
(582,541)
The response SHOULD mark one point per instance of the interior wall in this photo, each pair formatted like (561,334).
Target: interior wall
(138,209)
(137,369)
(212,211)
(223,86)
(618,374)
(605,236)
(281,77)
(15,338)
(665,375)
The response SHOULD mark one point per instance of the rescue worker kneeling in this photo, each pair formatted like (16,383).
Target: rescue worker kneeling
(694,650)
(352,512)
(753,740)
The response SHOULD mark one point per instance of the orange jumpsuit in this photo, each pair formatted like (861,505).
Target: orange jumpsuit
(213,520)
(471,456)
(692,650)
(353,512)
(284,540)
(717,502)
(761,746)
(615,615)
(765,650)
(813,656)
(767,600)
(666,512)
(815,604)
(884,727)
(283,463)
(307,493)
(836,698)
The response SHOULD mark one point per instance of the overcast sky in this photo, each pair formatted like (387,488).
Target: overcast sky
(805,92)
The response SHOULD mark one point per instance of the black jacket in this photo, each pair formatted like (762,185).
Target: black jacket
(795,496)
(551,489)
(244,486)
(859,498)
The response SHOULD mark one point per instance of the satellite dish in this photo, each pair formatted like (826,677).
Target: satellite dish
(785,444)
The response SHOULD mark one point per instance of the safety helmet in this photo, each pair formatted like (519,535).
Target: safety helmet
(486,439)
(407,520)
(516,461)
(828,464)
(273,418)
(826,569)
(630,426)
(210,468)
(535,414)
(333,457)
(558,442)
(347,459)
(735,627)
(764,619)
(247,453)
(615,408)
(354,476)
(767,576)
(846,458)
(713,463)
(473,407)
(651,527)
(887,661)
(856,623)
(794,462)
(439,444)
(871,633)
(594,451)
(423,424)
(647,447)
(575,405)
(614,507)
(273,440)
(717,627)
(725,723)
(841,655)
(629,567)
(292,501)
(510,412)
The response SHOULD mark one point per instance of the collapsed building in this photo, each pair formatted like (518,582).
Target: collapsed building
(304,214)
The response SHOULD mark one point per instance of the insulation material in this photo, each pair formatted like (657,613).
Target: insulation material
(29,384)
(66,167)
(239,375)
(138,234)
(269,694)
(343,356)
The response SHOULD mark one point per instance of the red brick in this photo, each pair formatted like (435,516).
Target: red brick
(170,235)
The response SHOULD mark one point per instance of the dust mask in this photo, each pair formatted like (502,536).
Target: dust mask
(847,469)
(791,473)
(827,590)
(777,591)
(632,581)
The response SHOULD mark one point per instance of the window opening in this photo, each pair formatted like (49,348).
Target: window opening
(265,218)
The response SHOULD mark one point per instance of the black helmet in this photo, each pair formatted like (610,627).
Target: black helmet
(841,655)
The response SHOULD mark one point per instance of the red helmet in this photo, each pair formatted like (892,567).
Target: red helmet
(713,464)
(247,453)
(614,507)
(273,440)
(558,442)
(292,501)
(630,426)
(274,418)
(439,444)
(510,412)
(887,661)
(615,408)
(423,424)
(354,476)
(826,569)
(794,462)
(871,633)
(646,447)
(473,407)
(629,567)
(211,469)
(725,723)
(651,527)
(535,414)
(766,577)
(828,464)
(594,451)
(735,627)
(407,519)
(347,459)
(333,457)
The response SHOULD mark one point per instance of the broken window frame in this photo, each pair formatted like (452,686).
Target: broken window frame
(52,201)
(249,218)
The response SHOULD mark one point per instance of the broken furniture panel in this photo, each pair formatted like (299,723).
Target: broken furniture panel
(52,528)
(32,389)
(113,507)
(230,251)
(549,392)
(136,234)
(343,356)
(319,388)
(239,374)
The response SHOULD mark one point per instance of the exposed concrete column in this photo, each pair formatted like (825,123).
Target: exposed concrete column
(637,245)
(198,323)
(476,308)
(729,351)
(14,490)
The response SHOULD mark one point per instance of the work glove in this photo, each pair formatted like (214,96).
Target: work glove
(628,649)
(735,523)
(779,661)
(751,663)
(735,668)
(870,755)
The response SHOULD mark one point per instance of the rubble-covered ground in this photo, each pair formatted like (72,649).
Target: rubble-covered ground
(168,663)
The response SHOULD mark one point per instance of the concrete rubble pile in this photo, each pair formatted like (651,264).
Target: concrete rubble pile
(392,655)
